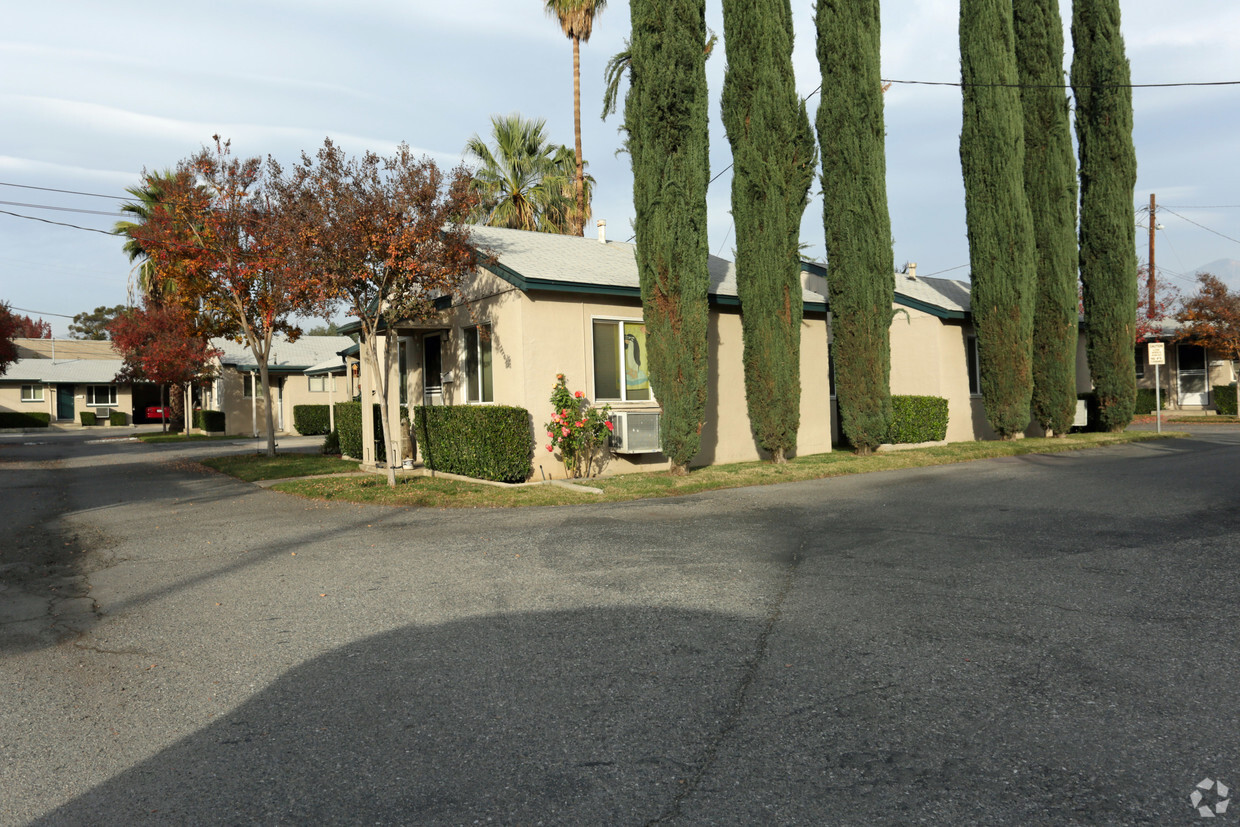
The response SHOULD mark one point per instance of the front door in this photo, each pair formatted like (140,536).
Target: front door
(64,402)
(432,369)
(1191,364)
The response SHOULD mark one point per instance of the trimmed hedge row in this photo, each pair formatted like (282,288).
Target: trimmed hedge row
(118,418)
(23,419)
(210,421)
(917,419)
(349,428)
(1225,399)
(311,420)
(88,417)
(1146,401)
(491,442)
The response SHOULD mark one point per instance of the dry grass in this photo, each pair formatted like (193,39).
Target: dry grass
(443,493)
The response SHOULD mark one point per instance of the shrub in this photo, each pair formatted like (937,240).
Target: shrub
(1225,399)
(331,445)
(1146,401)
(578,430)
(212,421)
(118,418)
(494,442)
(24,419)
(88,417)
(917,419)
(349,429)
(311,420)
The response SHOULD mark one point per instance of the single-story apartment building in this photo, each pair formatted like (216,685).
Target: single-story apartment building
(1191,371)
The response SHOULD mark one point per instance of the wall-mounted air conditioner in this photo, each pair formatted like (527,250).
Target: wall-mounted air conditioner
(635,432)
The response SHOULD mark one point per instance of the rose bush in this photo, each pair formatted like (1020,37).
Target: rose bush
(577,430)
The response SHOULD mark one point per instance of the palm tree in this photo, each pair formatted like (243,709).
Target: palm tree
(148,196)
(524,182)
(577,20)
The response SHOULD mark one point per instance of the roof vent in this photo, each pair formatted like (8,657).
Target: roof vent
(602,230)
(912,271)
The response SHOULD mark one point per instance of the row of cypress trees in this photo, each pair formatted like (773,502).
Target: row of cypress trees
(1020,196)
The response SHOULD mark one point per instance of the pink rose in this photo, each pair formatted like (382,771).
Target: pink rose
(550,435)
(549,448)
(610,427)
(581,423)
(579,395)
(564,431)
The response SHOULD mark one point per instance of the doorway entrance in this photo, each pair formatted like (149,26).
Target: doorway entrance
(1191,366)
(64,402)
(432,369)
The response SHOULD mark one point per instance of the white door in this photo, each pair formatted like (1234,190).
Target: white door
(1191,367)
(432,369)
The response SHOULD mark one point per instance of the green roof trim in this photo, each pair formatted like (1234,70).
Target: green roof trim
(932,309)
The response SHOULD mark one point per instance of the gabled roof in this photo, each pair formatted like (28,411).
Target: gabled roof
(75,371)
(547,261)
(286,356)
(945,298)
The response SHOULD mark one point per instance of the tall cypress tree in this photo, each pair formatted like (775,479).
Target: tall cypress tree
(1050,185)
(665,116)
(772,167)
(860,271)
(1100,83)
(1000,227)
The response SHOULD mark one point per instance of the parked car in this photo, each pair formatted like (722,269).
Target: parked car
(158,413)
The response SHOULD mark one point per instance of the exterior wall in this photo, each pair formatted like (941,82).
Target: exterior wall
(245,416)
(1219,371)
(536,335)
(11,399)
(63,349)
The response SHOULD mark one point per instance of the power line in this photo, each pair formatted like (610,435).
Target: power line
(60,209)
(66,192)
(960,84)
(1202,226)
(1201,207)
(41,313)
(57,223)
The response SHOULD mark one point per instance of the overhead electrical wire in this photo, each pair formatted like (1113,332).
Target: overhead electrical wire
(60,209)
(57,223)
(1202,226)
(66,192)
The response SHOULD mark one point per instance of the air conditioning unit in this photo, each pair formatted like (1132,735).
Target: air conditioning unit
(635,432)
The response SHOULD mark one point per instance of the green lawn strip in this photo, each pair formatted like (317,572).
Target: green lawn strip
(179,437)
(1202,420)
(254,467)
(442,493)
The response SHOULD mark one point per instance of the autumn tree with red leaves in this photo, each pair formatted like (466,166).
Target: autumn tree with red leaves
(1211,317)
(1150,322)
(8,332)
(160,343)
(217,239)
(28,327)
(380,235)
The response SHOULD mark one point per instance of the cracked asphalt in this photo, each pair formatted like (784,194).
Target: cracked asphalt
(1034,640)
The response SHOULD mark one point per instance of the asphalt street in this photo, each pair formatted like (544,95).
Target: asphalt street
(1035,640)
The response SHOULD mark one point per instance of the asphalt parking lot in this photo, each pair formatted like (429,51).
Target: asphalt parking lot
(1032,640)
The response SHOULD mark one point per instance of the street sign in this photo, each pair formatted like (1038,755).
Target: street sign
(1157,353)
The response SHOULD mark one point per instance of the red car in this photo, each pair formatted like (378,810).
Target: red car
(157,413)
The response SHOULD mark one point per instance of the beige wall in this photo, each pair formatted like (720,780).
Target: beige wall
(11,400)
(535,336)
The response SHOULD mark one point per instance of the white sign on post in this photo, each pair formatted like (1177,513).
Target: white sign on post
(1157,353)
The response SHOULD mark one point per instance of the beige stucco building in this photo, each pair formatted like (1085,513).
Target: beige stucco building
(553,304)
(63,378)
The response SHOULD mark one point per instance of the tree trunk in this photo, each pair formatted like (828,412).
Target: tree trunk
(381,387)
(271,422)
(579,221)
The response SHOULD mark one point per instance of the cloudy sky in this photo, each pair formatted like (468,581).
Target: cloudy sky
(94,93)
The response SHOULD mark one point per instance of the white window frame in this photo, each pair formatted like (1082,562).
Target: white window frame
(252,385)
(92,396)
(482,390)
(621,320)
(35,393)
(322,380)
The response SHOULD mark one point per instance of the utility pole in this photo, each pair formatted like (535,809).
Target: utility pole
(1149,314)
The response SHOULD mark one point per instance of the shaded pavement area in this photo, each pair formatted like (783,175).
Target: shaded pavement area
(1034,640)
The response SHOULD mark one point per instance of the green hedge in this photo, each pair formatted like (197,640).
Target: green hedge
(211,421)
(1225,399)
(492,442)
(1146,401)
(917,419)
(88,417)
(349,429)
(311,420)
(23,419)
(118,418)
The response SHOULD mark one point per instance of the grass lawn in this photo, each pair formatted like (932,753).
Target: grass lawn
(1202,420)
(443,493)
(177,436)
(253,467)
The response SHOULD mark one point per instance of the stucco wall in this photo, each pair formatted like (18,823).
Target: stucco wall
(11,400)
